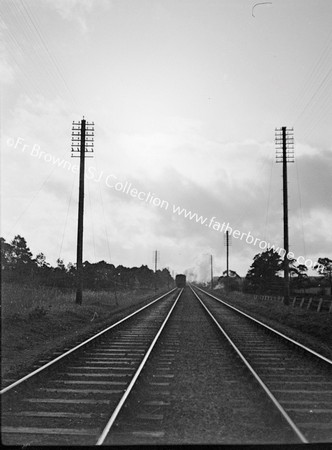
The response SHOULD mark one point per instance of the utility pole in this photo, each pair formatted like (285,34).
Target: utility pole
(155,257)
(155,260)
(211,272)
(284,139)
(227,243)
(82,143)
(227,254)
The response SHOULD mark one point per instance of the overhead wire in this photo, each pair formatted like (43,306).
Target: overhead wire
(28,39)
(14,53)
(26,81)
(55,63)
(313,99)
(29,45)
(319,90)
(321,114)
(313,75)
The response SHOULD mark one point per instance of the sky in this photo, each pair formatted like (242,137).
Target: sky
(185,96)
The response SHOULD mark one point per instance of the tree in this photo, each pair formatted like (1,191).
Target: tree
(166,278)
(22,257)
(230,282)
(262,276)
(7,261)
(60,276)
(324,267)
(145,276)
(41,260)
(301,278)
(17,264)
(6,255)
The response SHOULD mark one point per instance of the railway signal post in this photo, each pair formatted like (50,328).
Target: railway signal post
(284,139)
(82,143)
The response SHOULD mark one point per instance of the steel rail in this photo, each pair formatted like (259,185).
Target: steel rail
(318,355)
(68,352)
(133,381)
(257,377)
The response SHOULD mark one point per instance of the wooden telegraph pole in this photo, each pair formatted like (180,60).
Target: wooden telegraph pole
(211,272)
(82,143)
(227,243)
(284,139)
(227,254)
(155,258)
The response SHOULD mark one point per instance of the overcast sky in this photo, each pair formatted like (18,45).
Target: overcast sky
(185,96)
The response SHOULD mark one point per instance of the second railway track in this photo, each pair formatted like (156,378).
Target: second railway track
(73,400)
(297,379)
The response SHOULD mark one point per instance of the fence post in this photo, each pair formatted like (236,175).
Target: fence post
(309,302)
(302,301)
(319,304)
(294,301)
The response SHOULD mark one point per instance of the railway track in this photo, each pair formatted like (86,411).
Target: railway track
(75,398)
(168,375)
(297,380)
(207,395)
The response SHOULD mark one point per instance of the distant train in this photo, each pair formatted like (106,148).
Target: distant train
(180,281)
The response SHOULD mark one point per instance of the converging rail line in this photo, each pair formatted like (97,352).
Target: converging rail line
(296,379)
(185,369)
(206,394)
(75,398)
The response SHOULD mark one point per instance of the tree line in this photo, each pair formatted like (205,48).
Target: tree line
(18,265)
(265,275)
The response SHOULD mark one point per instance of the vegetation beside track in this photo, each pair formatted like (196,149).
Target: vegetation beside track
(37,320)
(310,328)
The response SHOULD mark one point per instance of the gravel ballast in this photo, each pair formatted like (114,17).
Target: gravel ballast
(208,397)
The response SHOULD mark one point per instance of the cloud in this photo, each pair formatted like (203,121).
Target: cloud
(77,10)
(236,182)
(315,179)
(6,70)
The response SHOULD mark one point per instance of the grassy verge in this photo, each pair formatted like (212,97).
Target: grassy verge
(37,321)
(308,327)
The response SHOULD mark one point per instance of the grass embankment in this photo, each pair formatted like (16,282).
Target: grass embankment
(37,321)
(311,328)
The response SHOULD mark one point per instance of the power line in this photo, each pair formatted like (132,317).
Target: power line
(36,26)
(316,92)
(28,39)
(314,74)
